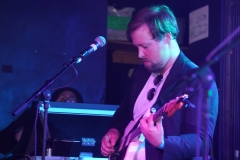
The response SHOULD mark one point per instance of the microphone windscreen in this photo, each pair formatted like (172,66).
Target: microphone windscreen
(101,40)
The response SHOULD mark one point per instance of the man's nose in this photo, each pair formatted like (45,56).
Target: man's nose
(140,54)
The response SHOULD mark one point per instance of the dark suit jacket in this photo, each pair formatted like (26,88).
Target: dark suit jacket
(185,132)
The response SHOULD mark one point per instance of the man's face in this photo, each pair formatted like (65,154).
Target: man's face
(154,54)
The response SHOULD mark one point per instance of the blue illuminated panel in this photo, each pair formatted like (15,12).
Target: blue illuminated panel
(80,109)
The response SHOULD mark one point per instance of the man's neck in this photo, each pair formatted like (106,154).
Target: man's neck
(174,53)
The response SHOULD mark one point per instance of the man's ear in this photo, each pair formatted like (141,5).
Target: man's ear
(168,37)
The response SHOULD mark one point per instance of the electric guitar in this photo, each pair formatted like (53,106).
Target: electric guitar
(169,108)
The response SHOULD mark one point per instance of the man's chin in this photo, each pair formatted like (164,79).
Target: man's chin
(148,68)
(152,69)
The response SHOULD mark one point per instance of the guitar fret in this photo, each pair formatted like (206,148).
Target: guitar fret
(136,132)
(159,113)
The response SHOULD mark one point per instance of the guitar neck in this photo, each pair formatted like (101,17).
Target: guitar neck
(137,131)
(159,113)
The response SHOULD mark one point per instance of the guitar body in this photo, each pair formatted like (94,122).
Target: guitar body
(118,155)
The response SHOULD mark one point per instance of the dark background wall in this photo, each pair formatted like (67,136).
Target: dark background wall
(38,37)
(199,50)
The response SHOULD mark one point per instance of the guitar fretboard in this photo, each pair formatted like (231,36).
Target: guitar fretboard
(137,131)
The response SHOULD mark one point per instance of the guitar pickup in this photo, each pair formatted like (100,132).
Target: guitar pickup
(88,142)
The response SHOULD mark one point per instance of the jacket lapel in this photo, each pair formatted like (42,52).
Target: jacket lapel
(174,76)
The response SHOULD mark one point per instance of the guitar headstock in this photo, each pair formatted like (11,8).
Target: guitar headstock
(173,105)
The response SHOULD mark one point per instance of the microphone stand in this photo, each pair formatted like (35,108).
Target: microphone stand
(205,83)
(46,85)
(212,58)
(47,97)
(44,90)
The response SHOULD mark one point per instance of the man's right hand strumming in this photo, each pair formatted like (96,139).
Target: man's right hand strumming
(109,140)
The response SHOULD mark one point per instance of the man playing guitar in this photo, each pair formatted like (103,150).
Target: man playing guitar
(165,73)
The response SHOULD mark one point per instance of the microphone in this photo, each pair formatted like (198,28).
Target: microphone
(98,42)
